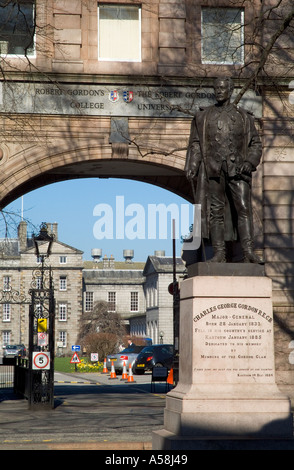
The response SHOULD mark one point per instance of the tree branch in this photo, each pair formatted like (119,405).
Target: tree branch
(264,55)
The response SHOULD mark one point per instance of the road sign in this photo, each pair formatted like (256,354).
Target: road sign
(94,357)
(42,339)
(41,360)
(75,359)
(42,325)
(76,347)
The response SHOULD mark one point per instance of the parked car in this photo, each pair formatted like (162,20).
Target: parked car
(127,355)
(13,350)
(158,355)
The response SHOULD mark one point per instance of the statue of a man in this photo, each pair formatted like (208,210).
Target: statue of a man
(224,149)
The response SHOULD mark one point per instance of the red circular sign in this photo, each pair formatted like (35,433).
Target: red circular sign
(41,360)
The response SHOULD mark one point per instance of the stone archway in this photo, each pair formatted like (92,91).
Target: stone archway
(40,150)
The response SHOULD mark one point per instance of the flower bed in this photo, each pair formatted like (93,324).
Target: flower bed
(87,366)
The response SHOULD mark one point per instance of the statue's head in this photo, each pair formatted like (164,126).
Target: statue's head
(223,89)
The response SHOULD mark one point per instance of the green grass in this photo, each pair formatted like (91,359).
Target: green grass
(62,364)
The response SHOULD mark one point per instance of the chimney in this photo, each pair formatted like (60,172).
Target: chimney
(55,230)
(105,262)
(22,236)
(159,253)
(111,262)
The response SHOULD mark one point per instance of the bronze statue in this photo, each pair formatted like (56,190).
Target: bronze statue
(224,149)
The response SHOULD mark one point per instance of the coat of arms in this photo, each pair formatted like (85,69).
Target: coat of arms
(128,96)
(114,96)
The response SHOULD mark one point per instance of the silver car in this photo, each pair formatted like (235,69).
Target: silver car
(127,356)
(13,350)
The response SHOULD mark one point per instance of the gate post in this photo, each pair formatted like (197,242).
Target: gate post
(41,331)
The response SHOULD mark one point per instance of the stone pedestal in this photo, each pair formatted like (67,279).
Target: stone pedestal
(227,396)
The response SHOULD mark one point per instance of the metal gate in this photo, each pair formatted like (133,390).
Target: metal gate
(6,375)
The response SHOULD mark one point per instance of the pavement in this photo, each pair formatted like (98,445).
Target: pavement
(91,412)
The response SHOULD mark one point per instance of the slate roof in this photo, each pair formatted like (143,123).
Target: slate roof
(109,276)
(9,248)
(163,264)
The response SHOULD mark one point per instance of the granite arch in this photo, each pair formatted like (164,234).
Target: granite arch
(49,149)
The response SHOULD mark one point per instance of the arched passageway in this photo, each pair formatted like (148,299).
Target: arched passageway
(48,149)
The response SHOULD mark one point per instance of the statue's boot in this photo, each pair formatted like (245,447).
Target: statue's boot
(218,244)
(251,257)
(247,245)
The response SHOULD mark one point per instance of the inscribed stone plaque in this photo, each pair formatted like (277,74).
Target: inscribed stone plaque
(111,100)
(233,341)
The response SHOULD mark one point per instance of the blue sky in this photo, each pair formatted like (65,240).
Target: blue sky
(111,214)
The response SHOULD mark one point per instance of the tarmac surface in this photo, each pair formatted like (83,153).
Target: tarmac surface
(91,412)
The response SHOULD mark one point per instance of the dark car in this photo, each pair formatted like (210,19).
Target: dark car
(158,355)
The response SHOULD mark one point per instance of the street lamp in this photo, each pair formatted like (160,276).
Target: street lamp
(41,241)
(41,326)
(43,237)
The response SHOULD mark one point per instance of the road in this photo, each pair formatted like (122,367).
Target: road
(91,411)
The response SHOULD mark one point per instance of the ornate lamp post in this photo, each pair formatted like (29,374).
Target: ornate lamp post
(173,289)
(41,326)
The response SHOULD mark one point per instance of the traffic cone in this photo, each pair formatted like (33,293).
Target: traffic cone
(124,374)
(130,378)
(170,378)
(112,373)
(105,370)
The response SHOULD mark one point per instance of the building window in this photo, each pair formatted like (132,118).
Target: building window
(62,312)
(6,337)
(134,302)
(6,283)
(151,295)
(222,36)
(119,35)
(62,283)
(63,338)
(89,301)
(62,259)
(17,27)
(6,312)
(111,301)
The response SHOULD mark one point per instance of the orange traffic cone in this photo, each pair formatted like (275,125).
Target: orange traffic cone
(105,370)
(112,373)
(130,378)
(170,378)
(124,374)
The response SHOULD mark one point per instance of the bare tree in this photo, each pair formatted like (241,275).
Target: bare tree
(100,330)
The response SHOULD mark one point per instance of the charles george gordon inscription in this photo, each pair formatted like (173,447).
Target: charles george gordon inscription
(233,342)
